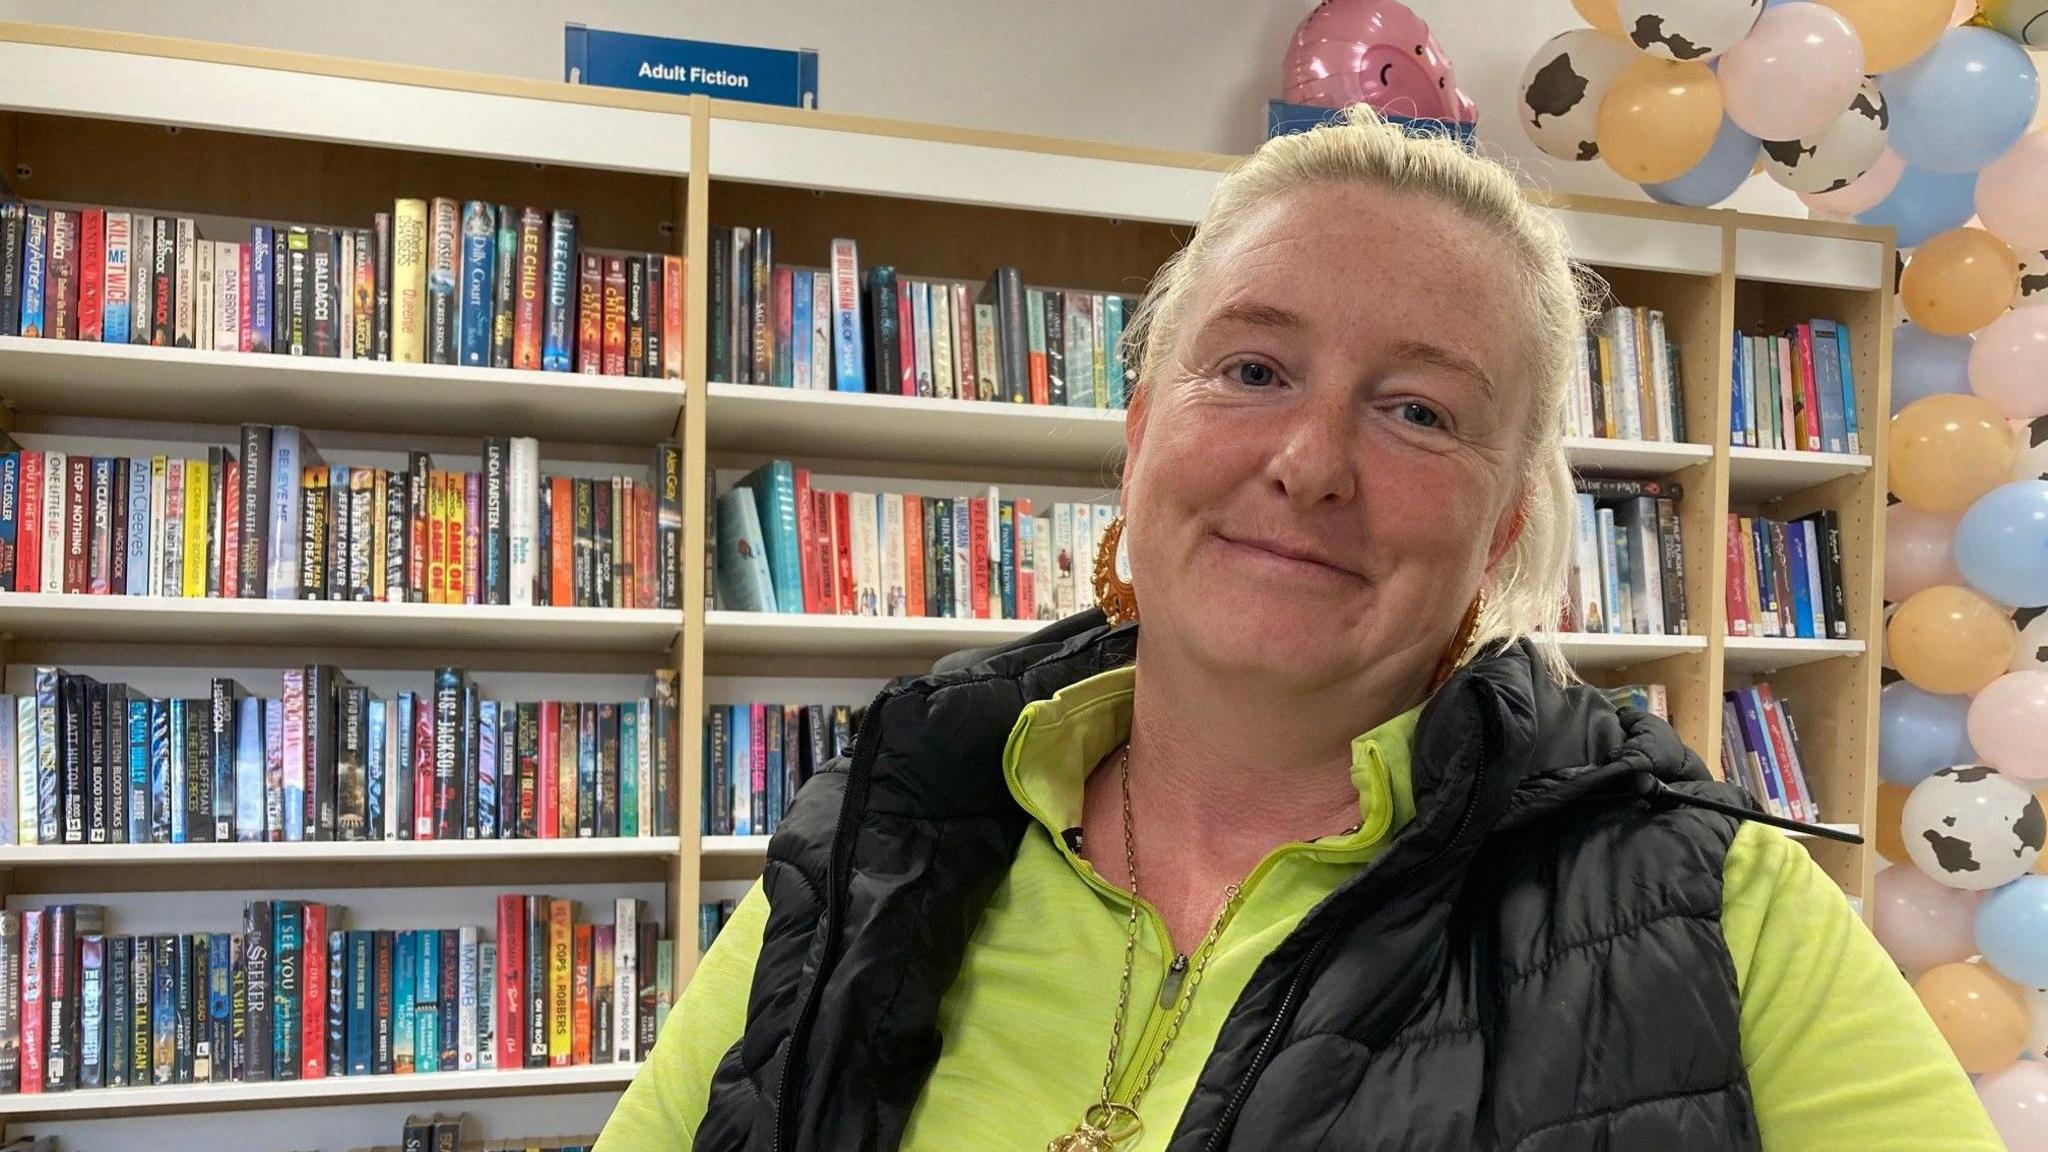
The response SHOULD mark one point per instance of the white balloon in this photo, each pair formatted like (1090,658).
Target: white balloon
(2033,287)
(2037,1027)
(2031,461)
(1687,29)
(1562,87)
(1838,154)
(1971,827)
(2031,653)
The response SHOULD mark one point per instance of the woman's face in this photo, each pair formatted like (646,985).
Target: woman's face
(1327,461)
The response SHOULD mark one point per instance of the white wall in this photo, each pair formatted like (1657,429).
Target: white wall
(1171,73)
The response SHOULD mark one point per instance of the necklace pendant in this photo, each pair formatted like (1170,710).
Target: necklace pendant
(1103,1128)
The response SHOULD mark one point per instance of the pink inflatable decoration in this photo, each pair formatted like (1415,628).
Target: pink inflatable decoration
(1375,52)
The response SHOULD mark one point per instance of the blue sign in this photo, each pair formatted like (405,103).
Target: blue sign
(689,67)
(1283,118)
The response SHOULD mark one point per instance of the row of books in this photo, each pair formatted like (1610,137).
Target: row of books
(1796,389)
(1628,560)
(1652,698)
(839,329)
(757,755)
(443,1133)
(712,916)
(86,762)
(786,547)
(432,281)
(295,995)
(1628,385)
(272,519)
(1785,577)
(1760,752)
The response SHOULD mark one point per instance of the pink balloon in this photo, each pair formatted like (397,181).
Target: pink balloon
(2008,724)
(1376,52)
(1798,69)
(2017,1101)
(1919,550)
(2009,362)
(2012,193)
(1922,922)
(1861,194)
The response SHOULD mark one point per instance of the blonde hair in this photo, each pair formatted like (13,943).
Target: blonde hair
(1527,585)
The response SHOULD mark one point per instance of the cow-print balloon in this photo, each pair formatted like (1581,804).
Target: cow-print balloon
(1838,154)
(1562,88)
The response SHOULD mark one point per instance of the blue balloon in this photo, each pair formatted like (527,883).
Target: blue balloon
(1962,103)
(1923,203)
(1920,733)
(1718,174)
(2002,544)
(1927,364)
(2012,931)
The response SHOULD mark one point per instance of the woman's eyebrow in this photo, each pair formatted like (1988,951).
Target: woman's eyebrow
(1422,351)
(1258,315)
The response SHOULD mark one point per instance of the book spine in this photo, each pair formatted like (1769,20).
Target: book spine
(558,342)
(13,219)
(34,1008)
(35,274)
(504,287)
(444,244)
(590,314)
(116,309)
(478,279)
(495,581)
(560,945)
(60,299)
(614,320)
(323,295)
(408,282)
(636,315)
(673,302)
(530,286)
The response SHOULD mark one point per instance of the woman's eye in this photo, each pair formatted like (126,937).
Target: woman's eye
(1252,374)
(1421,415)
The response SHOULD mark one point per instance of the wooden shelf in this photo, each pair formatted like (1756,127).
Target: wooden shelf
(1592,651)
(1769,653)
(920,638)
(878,426)
(1639,457)
(139,382)
(1768,473)
(158,620)
(336,851)
(159,1099)
(1852,829)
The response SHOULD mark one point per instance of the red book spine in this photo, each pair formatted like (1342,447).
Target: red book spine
(546,801)
(1738,604)
(807,542)
(580,985)
(77,538)
(907,355)
(28,537)
(562,542)
(977,554)
(313,1009)
(92,266)
(643,544)
(590,314)
(35,954)
(231,529)
(1781,746)
(1041,385)
(842,523)
(1809,430)
(532,272)
(614,316)
(913,554)
(826,558)
(423,791)
(1027,592)
(671,331)
(511,991)
(245,333)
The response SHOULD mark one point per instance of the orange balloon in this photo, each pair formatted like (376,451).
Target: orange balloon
(1658,119)
(1981,1015)
(1894,31)
(1889,833)
(1949,449)
(1959,281)
(1949,640)
(1601,14)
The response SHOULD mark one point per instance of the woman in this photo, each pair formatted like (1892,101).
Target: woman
(1264,873)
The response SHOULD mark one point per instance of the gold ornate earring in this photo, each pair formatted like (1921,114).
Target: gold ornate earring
(1461,644)
(1113,591)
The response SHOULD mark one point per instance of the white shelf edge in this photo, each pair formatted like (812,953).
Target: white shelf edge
(362,851)
(732,847)
(168,1098)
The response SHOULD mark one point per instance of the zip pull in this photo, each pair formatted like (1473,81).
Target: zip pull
(1169,988)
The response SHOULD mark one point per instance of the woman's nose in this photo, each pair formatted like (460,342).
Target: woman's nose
(1313,463)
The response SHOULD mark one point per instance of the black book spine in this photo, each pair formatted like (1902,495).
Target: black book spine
(1010,299)
(544,568)
(13,218)
(120,1054)
(72,755)
(380,233)
(883,348)
(320,297)
(298,283)
(198,750)
(649,995)
(183,1062)
(584,563)
(471,826)
(494,540)
(668,525)
(1056,349)
(98,756)
(718,349)
(1831,551)
(504,281)
(656,315)
(117,534)
(287,993)
(601,543)
(450,987)
(526,744)
(115,771)
(193,1008)
(1671,547)
(216,472)
(352,804)
(447,752)
(238,1011)
(141,989)
(163,271)
(397,503)
(253,511)
(257,970)
(420,465)
(401,733)
(313,534)
(322,749)
(536,981)
(636,315)
(221,757)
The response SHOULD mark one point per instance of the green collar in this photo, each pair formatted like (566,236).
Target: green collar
(1057,742)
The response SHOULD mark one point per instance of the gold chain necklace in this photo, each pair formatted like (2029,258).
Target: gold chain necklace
(1108,1122)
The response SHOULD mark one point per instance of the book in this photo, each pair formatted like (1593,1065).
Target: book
(479,279)
(559,331)
(409,262)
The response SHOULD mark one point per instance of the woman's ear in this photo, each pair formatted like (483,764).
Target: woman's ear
(1506,533)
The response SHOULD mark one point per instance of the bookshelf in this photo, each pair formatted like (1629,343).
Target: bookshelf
(231,134)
